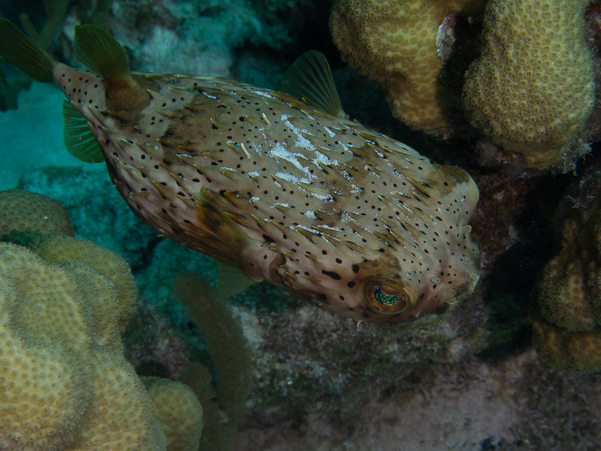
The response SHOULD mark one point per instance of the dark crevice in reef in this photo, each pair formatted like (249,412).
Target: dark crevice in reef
(508,287)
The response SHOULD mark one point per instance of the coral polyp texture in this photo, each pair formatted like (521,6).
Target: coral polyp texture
(532,89)
(575,351)
(181,420)
(63,375)
(64,381)
(395,44)
(26,212)
(567,319)
(61,248)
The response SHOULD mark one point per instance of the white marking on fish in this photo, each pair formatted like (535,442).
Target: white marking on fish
(245,151)
(264,94)
(330,132)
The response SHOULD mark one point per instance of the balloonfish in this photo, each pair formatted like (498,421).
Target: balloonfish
(276,186)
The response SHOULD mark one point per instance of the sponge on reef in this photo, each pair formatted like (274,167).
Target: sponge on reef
(532,89)
(395,44)
(567,317)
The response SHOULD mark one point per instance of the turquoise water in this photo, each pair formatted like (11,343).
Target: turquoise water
(32,135)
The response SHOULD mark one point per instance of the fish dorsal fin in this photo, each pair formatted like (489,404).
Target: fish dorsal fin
(101,53)
(310,78)
(232,280)
(78,137)
(20,51)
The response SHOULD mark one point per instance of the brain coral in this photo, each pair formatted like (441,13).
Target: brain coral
(568,313)
(532,89)
(395,43)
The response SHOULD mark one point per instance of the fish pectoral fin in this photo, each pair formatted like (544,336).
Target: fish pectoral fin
(101,53)
(310,79)
(226,242)
(232,280)
(78,138)
(20,51)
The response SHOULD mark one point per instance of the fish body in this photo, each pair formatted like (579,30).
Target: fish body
(276,189)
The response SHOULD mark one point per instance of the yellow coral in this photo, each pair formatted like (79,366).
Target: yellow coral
(181,420)
(57,248)
(59,387)
(568,291)
(64,382)
(395,43)
(561,348)
(27,212)
(532,89)
(567,319)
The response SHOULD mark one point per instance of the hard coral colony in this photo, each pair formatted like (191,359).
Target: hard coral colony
(272,187)
(64,381)
(530,92)
(567,299)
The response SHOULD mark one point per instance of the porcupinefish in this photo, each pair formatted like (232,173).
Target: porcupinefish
(276,186)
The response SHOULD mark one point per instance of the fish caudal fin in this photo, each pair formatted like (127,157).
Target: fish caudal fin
(78,137)
(20,51)
(101,53)
(310,79)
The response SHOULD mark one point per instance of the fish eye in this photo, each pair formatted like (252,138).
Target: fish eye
(386,300)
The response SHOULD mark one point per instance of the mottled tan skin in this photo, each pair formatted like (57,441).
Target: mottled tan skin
(371,210)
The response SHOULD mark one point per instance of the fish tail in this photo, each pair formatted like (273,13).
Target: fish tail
(20,51)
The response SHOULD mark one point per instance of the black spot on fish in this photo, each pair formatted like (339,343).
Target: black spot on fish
(332,274)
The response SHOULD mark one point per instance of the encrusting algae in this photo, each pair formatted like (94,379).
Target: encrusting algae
(274,186)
